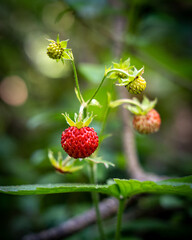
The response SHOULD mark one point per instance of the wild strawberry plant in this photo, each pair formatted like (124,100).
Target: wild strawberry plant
(80,142)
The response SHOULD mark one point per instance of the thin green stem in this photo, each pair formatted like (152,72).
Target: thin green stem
(119,218)
(95,197)
(96,91)
(103,79)
(77,82)
(116,103)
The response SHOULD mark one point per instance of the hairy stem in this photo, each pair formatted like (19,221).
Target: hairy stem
(119,218)
(95,197)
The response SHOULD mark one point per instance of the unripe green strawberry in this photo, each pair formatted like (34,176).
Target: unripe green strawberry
(148,123)
(137,86)
(79,142)
(54,50)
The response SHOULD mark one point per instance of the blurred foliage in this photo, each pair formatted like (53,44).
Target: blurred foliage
(157,35)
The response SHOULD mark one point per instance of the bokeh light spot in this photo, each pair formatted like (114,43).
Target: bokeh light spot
(13,91)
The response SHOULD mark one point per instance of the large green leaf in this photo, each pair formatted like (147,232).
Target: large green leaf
(181,186)
(120,188)
(52,188)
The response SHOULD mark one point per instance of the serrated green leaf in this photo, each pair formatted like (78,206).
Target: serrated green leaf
(180,186)
(120,188)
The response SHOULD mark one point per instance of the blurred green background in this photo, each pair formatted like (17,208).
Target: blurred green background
(34,90)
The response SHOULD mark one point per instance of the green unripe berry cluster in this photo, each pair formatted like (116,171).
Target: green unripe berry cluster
(54,50)
(137,86)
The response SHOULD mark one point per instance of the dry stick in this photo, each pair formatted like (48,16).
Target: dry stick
(108,208)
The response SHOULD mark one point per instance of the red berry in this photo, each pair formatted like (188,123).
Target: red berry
(79,143)
(148,123)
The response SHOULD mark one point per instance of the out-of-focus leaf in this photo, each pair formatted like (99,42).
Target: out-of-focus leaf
(61,14)
(92,72)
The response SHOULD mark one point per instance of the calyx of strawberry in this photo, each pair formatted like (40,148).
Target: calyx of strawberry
(142,108)
(78,121)
(66,165)
(123,72)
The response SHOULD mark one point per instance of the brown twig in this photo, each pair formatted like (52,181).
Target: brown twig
(108,208)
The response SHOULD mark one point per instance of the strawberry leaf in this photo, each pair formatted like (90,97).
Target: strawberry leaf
(119,188)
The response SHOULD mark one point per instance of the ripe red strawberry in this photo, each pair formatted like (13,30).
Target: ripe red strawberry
(79,142)
(148,123)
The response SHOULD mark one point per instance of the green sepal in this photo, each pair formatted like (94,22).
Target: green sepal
(107,70)
(137,73)
(64,43)
(78,123)
(88,120)
(142,108)
(58,38)
(68,120)
(77,95)
(62,165)
(100,160)
(94,102)
(52,158)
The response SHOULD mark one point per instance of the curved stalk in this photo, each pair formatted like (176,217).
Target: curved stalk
(103,79)
(124,100)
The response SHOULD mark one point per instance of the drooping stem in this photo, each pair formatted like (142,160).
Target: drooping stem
(95,197)
(119,218)
(117,103)
(77,82)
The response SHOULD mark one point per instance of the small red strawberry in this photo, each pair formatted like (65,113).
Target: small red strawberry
(148,123)
(79,140)
(79,143)
(146,119)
